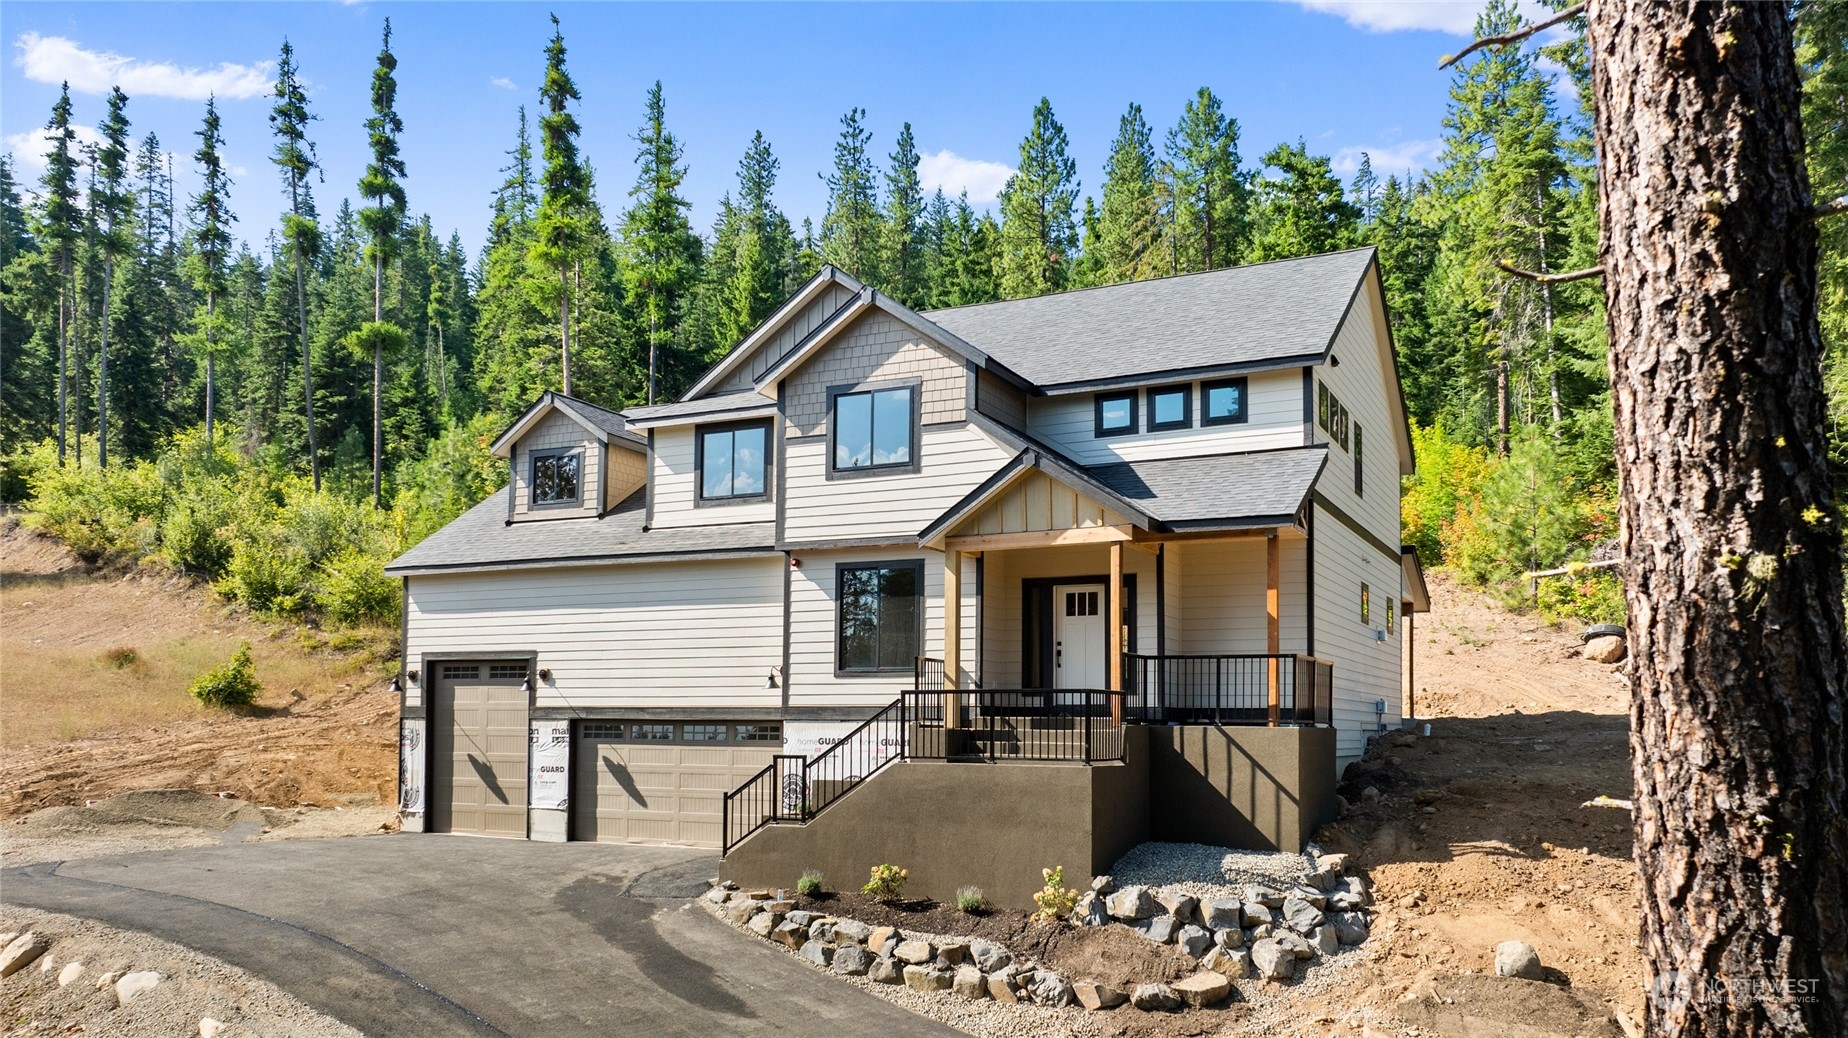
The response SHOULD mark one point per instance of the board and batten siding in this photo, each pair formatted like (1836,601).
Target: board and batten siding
(1275,409)
(1222,597)
(811,316)
(676,635)
(1003,572)
(875,348)
(676,486)
(953,460)
(814,626)
(556,432)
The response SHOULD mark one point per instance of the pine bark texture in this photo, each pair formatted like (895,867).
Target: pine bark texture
(1732,545)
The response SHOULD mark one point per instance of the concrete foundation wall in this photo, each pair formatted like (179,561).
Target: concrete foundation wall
(1253,788)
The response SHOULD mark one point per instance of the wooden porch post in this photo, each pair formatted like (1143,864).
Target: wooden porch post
(1411,667)
(1273,621)
(952,637)
(1113,637)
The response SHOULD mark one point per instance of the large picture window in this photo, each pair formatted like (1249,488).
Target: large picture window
(555,478)
(875,429)
(1223,402)
(734,462)
(881,605)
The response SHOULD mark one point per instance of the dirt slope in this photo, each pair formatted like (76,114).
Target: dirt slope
(80,723)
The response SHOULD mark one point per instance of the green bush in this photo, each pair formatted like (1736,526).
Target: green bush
(970,900)
(1055,900)
(353,589)
(231,686)
(809,883)
(885,882)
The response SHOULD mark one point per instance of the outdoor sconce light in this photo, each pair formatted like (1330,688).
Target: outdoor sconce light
(526,685)
(1334,361)
(795,563)
(397,686)
(775,680)
(413,676)
(545,675)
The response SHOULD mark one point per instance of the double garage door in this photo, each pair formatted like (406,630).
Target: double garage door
(633,781)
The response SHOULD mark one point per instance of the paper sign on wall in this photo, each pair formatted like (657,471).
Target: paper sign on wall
(551,764)
(411,764)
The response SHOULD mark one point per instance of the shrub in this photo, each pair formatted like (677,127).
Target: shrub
(809,884)
(885,882)
(970,899)
(354,589)
(121,656)
(233,685)
(1055,899)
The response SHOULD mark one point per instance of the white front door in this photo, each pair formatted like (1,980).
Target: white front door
(1078,636)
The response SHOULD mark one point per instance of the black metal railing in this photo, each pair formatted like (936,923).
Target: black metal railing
(793,788)
(927,673)
(1014,724)
(1230,689)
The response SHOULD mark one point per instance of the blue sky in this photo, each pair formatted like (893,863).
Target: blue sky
(1344,75)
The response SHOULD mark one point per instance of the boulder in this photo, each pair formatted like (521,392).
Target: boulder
(1130,903)
(1235,963)
(23,951)
(1181,906)
(1096,997)
(818,953)
(1256,914)
(1315,897)
(882,934)
(1261,931)
(1160,929)
(764,923)
(820,930)
(740,910)
(924,978)
(1336,863)
(69,974)
(1155,998)
(108,980)
(1222,913)
(1518,959)
(801,918)
(1357,885)
(789,935)
(717,895)
(1090,911)
(1194,940)
(1343,901)
(1266,896)
(1228,939)
(886,970)
(988,955)
(1000,988)
(1102,885)
(780,907)
(1205,988)
(760,895)
(953,953)
(134,985)
(1298,946)
(1350,927)
(851,960)
(914,953)
(969,983)
(1605,649)
(1321,879)
(1050,989)
(1272,961)
(1300,915)
(852,930)
(1325,940)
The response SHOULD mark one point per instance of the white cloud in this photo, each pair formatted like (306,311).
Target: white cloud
(1389,159)
(1457,17)
(503,82)
(29,148)
(56,59)
(955,174)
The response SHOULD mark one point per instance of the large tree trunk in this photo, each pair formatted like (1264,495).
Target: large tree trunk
(1732,547)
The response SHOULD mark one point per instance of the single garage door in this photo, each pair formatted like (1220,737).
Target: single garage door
(663,781)
(478,737)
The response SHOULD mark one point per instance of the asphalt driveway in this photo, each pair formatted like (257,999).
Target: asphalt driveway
(430,935)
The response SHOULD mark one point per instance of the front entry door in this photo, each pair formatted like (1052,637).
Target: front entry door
(1078,636)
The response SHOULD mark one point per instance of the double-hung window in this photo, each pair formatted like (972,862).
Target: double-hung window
(555,478)
(879,623)
(1223,402)
(734,462)
(875,429)
(1116,414)
(1170,407)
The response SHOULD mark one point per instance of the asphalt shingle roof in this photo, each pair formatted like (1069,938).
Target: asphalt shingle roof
(482,537)
(1218,488)
(717,403)
(1223,318)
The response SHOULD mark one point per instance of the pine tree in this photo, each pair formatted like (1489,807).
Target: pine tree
(751,251)
(1303,211)
(562,226)
(850,231)
(902,266)
(113,205)
(661,249)
(1037,233)
(295,156)
(382,221)
(1209,190)
(62,222)
(211,240)
(1822,58)
(515,199)
(971,258)
(1129,221)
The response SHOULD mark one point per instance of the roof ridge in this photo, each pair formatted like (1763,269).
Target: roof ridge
(1216,454)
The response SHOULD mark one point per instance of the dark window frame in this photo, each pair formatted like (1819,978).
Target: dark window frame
(532,478)
(1366,603)
(699,462)
(913,465)
(1242,384)
(1360,485)
(1186,391)
(1097,414)
(918,596)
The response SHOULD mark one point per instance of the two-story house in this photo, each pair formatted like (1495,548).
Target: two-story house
(1169,505)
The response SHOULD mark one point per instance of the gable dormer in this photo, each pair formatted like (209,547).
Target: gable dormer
(569,459)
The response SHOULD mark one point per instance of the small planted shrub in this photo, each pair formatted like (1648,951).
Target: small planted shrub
(1055,899)
(886,882)
(970,900)
(233,685)
(121,657)
(809,884)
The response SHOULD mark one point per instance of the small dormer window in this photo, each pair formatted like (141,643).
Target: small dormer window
(1170,407)
(875,430)
(555,477)
(734,461)
(1223,402)
(1116,414)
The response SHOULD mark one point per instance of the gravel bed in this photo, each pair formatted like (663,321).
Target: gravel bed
(1208,872)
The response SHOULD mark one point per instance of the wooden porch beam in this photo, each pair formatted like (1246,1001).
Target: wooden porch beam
(1037,539)
(1113,636)
(1273,619)
(952,638)
(1147,537)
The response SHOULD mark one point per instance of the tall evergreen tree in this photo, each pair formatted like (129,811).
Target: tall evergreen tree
(1037,233)
(211,241)
(563,225)
(295,156)
(1129,223)
(850,230)
(1303,210)
(382,220)
(662,251)
(113,204)
(62,222)
(1209,190)
(902,266)
(751,250)
(515,199)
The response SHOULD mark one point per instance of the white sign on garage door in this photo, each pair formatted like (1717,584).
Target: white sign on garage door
(551,757)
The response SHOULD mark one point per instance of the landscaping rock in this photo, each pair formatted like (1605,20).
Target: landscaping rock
(717,895)
(108,980)
(1131,903)
(818,953)
(915,953)
(1194,940)
(1518,959)
(1228,939)
(1298,947)
(1321,879)
(1155,998)
(1350,927)
(800,918)
(1205,988)
(1000,989)
(764,923)
(1235,963)
(1343,901)
(1160,929)
(1090,911)
(1605,649)
(924,978)
(1272,961)
(1097,997)
(134,985)
(882,934)
(22,951)
(852,960)
(1315,897)
(953,953)
(988,955)
(1050,989)
(69,974)
(1336,863)
(820,930)
(1325,940)
(789,935)
(1265,896)
(969,983)
(1183,907)
(1261,931)
(886,970)
(852,930)
(741,911)
(1300,915)
(1256,914)
(761,895)
(1222,913)
(1102,885)
(780,907)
